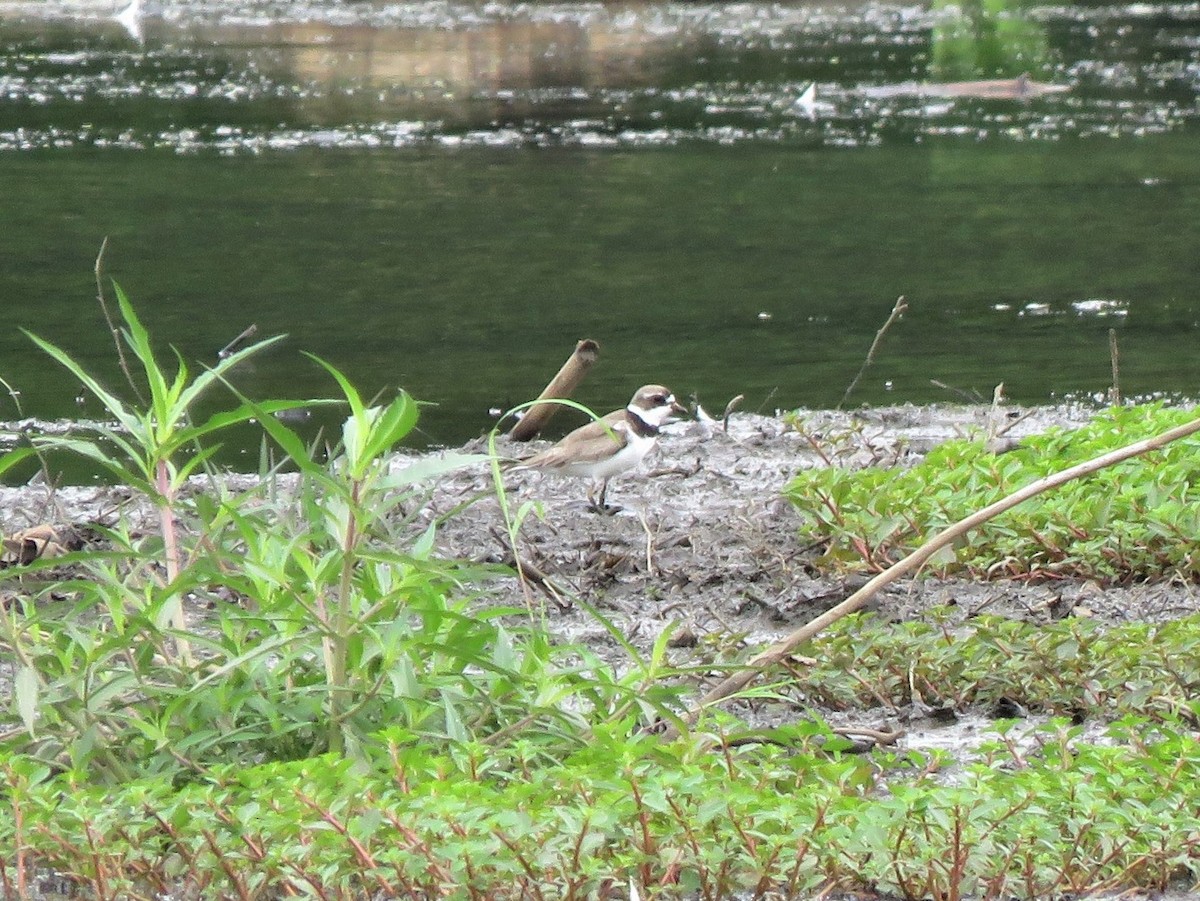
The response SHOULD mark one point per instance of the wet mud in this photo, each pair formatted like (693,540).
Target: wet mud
(702,540)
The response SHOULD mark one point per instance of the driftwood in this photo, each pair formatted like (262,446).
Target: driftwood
(560,387)
(27,545)
(1019,88)
(785,647)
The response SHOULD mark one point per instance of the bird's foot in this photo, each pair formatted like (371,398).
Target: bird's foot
(597,503)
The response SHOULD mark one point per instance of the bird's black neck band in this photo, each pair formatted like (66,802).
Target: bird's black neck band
(639,425)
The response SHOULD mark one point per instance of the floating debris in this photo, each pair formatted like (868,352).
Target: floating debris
(1020,88)
(1099,307)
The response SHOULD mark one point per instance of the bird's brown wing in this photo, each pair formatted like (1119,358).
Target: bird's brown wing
(586,444)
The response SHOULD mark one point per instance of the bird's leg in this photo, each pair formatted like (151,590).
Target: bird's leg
(598,503)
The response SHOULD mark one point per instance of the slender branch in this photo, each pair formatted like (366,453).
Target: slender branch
(897,311)
(784,648)
(112,327)
(530,573)
(971,397)
(15,395)
(1114,393)
(1008,426)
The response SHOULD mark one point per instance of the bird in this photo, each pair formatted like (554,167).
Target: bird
(612,444)
(130,18)
(806,103)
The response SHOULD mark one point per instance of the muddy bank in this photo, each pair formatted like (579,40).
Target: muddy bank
(704,542)
(703,536)
(706,539)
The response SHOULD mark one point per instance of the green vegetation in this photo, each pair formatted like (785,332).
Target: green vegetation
(476,822)
(282,690)
(987,39)
(1134,520)
(1073,667)
(330,617)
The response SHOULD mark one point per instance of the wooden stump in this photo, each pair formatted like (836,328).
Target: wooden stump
(561,386)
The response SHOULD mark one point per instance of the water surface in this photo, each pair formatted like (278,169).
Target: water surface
(445,197)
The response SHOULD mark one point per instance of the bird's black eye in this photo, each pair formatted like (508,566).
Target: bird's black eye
(661,399)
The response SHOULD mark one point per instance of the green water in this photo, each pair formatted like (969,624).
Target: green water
(466,277)
(758,260)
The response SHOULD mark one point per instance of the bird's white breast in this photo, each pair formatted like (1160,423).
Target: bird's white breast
(636,447)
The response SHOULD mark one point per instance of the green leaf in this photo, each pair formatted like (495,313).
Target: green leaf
(288,440)
(431,467)
(26,688)
(214,374)
(141,478)
(423,546)
(139,339)
(115,406)
(396,421)
(13,457)
(944,556)
(456,730)
(357,409)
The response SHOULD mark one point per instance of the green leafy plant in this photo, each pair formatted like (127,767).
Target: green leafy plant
(297,616)
(144,448)
(1055,815)
(1128,521)
(309,702)
(318,612)
(1068,667)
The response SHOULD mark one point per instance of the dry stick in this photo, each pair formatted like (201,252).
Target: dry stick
(528,572)
(995,416)
(15,395)
(730,407)
(897,311)
(971,397)
(561,386)
(1114,393)
(649,543)
(1001,430)
(781,649)
(112,328)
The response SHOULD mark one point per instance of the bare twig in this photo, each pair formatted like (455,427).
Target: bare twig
(881,737)
(897,311)
(730,407)
(971,397)
(1114,393)
(530,574)
(877,737)
(649,543)
(784,648)
(15,395)
(112,327)
(996,413)
(1007,427)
